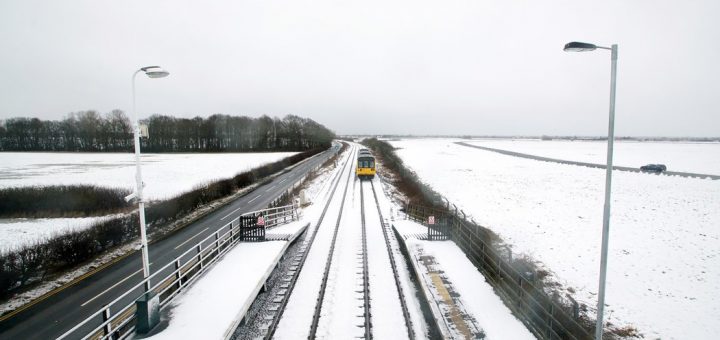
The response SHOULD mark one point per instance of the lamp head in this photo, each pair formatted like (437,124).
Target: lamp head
(155,71)
(579,47)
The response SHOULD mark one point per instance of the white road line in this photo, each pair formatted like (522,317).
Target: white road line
(284,179)
(256,197)
(113,286)
(270,188)
(232,212)
(188,240)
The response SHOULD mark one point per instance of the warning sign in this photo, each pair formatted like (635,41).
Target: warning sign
(431,219)
(261,221)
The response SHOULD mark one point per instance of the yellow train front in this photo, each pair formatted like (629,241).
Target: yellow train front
(365,164)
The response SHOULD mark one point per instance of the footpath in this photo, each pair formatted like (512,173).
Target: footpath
(464,304)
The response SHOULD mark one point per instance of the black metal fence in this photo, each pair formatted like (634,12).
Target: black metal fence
(547,316)
(254,223)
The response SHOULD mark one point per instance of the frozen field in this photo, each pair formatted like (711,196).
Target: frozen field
(165,175)
(19,232)
(664,262)
(701,158)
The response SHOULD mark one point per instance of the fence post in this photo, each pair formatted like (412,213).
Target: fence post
(106,317)
(199,256)
(550,321)
(178,275)
(575,308)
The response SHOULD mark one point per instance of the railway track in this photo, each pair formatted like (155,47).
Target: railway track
(388,235)
(274,306)
(340,280)
(347,252)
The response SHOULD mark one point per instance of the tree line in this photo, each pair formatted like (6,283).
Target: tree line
(92,131)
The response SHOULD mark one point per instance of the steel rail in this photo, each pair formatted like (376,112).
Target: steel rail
(366,280)
(403,303)
(276,320)
(328,263)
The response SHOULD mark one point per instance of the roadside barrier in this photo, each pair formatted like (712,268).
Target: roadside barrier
(119,318)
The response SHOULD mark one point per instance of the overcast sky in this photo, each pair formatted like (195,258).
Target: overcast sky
(377,67)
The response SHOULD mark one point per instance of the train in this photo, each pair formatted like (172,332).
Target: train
(365,165)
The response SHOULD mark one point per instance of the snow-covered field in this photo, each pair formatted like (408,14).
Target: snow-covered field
(165,175)
(703,158)
(664,262)
(19,232)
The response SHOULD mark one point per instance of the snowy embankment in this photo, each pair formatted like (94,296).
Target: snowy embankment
(165,175)
(478,297)
(664,260)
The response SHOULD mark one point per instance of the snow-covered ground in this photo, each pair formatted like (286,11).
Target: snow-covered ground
(477,295)
(165,175)
(664,261)
(19,232)
(677,156)
(211,305)
(208,308)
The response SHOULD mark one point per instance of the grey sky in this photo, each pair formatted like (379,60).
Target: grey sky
(391,66)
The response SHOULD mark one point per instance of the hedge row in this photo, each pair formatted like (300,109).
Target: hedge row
(61,201)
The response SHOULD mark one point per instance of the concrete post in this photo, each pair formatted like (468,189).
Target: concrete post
(148,312)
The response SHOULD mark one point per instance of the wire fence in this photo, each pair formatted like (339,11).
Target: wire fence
(547,315)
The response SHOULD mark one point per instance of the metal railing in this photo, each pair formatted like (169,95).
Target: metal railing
(117,318)
(546,316)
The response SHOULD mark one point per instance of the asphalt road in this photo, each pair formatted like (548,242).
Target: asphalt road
(60,312)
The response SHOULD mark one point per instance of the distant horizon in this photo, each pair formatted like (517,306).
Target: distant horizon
(564,137)
(413,135)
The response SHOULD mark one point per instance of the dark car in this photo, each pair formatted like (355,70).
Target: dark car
(654,168)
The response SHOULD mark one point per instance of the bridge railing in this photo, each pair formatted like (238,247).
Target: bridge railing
(117,319)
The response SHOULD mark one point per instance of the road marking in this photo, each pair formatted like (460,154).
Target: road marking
(188,240)
(111,287)
(284,179)
(270,188)
(232,212)
(256,197)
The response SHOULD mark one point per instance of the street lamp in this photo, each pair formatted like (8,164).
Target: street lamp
(152,72)
(584,47)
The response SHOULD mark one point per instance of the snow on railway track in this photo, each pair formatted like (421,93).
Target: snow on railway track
(343,282)
(342,308)
(298,313)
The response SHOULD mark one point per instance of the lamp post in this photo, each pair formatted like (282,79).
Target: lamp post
(584,47)
(152,72)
